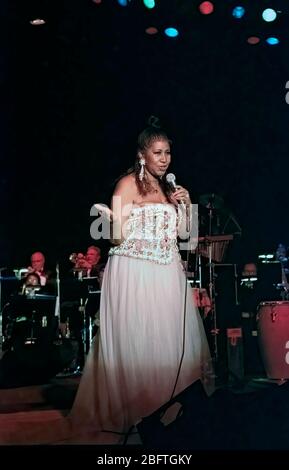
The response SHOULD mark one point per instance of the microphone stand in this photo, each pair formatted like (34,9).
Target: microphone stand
(214,330)
(187,211)
(57,303)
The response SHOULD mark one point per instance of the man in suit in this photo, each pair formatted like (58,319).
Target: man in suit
(38,267)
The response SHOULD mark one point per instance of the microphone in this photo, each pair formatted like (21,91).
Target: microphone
(171,179)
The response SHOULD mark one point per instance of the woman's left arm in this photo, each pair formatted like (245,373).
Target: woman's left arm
(181,198)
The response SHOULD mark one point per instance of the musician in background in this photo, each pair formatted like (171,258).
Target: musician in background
(249,270)
(38,267)
(27,288)
(89,264)
(17,311)
(33,279)
(80,296)
(93,257)
(31,282)
(247,288)
(92,271)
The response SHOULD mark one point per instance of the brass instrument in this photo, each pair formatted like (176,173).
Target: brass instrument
(80,262)
(74,257)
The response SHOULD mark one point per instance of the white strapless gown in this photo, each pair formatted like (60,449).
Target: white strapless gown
(133,362)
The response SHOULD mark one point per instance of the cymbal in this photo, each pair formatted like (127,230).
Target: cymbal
(211,201)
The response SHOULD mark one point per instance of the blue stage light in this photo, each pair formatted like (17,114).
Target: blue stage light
(269,15)
(171,32)
(122,3)
(272,41)
(149,3)
(238,12)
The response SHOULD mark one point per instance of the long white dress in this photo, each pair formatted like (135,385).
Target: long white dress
(133,362)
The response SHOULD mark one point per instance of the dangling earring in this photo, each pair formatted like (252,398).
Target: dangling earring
(142,165)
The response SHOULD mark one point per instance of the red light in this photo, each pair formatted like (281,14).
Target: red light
(206,8)
(253,40)
(151,30)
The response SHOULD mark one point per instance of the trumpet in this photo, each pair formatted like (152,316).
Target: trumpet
(79,260)
(74,257)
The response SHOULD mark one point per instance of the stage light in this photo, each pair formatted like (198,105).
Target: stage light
(253,40)
(37,22)
(122,3)
(171,32)
(149,3)
(269,15)
(272,41)
(98,2)
(151,30)
(238,12)
(206,8)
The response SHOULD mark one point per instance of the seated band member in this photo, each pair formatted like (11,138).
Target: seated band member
(38,266)
(31,282)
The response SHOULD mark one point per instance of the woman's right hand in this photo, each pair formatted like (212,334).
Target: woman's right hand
(106,211)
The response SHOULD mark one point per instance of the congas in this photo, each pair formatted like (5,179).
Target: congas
(273,335)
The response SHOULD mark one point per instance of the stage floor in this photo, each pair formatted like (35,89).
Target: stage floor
(250,415)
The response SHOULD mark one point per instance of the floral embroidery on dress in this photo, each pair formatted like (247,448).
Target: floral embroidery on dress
(152,234)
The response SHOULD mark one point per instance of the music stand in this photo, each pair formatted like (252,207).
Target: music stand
(93,290)
(82,290)
(35,317)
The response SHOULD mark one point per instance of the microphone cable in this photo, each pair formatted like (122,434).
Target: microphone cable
(184,318)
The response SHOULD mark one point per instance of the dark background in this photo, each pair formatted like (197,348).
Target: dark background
(77,91)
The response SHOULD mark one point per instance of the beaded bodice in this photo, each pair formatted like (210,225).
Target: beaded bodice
(151,234)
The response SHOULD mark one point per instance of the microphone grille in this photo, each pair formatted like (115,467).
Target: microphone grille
(170,178)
